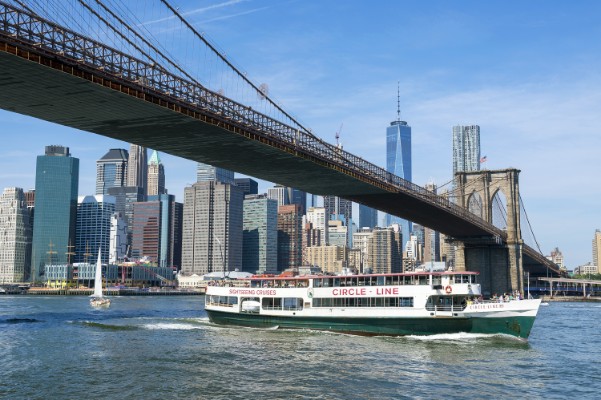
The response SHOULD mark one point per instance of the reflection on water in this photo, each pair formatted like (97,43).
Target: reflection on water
(165,347)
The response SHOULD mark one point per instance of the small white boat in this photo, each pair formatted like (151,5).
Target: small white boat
(98,299)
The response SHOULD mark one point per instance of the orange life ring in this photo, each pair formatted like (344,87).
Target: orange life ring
(448,289)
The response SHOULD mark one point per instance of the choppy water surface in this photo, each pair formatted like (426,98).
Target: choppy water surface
(165,347)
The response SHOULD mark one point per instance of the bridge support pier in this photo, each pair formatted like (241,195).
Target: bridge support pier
(500,266)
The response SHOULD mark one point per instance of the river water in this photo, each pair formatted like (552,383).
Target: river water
(165,347)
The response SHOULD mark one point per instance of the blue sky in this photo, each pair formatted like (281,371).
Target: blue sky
(527,72)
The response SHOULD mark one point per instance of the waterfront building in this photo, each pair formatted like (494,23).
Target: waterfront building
(248,185)
(57,179)
(156,176)
(209,173)
(15,237)
(597,249)
(260,235)
(466,148)
(587,269)
(385,251)
(212,228)
(111,170)
(118,238)
(93,228)
(290,237)
(368,217)
(280,194)
(331,259)
(398,161)
(319,220)
(30,200)
(137,167)
(311,237)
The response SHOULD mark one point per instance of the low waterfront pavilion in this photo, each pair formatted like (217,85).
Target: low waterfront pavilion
(573,286)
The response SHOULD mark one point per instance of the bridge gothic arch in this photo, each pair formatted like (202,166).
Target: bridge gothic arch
(498,191)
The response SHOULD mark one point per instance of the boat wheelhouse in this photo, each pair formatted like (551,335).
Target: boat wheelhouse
(419,303)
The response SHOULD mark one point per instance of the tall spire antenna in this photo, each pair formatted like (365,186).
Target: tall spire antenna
(398,100)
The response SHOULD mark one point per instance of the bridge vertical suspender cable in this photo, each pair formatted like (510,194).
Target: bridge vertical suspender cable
(229,64)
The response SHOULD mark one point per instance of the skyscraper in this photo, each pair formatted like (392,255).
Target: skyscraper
(15,237)
(398,160)
(249,185)
(137,167)
(368,217)
(280,194)
(299,197)
(208,173)
(156,175)
(56,185)
(385,253)
(318,219)
(118,238)
(157,230)
(466,148)
(111,170)
(212,228)
(260,235)
(290,237)
(337,206)
(125,197)
(93,230)
(597,250)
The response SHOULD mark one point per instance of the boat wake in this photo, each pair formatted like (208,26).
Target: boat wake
(461,337)
(108,327)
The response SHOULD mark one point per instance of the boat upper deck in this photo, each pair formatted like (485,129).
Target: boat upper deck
(326,281)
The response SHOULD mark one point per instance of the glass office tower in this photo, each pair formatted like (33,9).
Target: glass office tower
(56,185)
(398,162)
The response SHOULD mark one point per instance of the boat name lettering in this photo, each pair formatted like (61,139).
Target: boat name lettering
(349,292)
(486,306)
(365,291)
(265,292)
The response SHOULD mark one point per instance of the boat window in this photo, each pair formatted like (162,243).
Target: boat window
(423,280)
(436,280)
(336,282)
(327,282)
(292,303)
(340,302)
(271,303)
(380,280)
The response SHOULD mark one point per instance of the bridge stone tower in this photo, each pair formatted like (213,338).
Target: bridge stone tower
(499,264)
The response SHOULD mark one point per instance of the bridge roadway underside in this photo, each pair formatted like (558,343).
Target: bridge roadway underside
(37,90)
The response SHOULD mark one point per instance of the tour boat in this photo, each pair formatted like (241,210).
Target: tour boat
(421,303)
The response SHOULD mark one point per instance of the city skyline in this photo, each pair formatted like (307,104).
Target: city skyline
(536,115)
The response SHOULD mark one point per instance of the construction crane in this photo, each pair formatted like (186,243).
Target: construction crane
(338,136)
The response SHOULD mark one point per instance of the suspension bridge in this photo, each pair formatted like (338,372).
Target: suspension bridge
(106,67)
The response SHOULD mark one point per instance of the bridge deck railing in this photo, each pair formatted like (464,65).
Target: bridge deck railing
(27,29)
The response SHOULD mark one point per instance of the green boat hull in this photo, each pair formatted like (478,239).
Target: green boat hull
(515,326)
